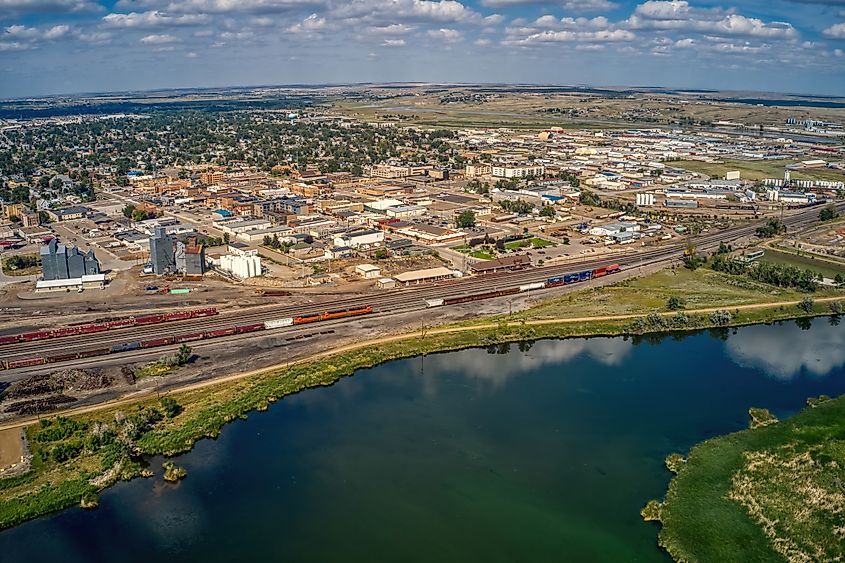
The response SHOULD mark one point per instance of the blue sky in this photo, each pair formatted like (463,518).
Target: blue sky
(68,46)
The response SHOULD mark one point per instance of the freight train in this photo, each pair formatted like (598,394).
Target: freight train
(108,325)
(187,337)
(556,281)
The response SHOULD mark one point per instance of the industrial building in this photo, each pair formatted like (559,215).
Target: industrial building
(162,256)
(190,258)
(60,263)
(241,261)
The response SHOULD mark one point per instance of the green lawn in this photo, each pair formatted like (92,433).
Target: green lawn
(524,243)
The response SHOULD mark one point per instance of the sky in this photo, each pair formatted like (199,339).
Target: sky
(72,46)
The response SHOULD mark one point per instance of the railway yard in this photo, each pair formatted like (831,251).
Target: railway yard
(86,362)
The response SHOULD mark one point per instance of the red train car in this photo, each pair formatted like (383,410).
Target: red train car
(26,363)
(157,342)
(249,328)
(188,337)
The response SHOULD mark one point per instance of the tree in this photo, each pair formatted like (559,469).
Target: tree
(465,220)
(226,238)
(183,355)
(170,406)
(773,227)
(675,303)
(547,211)
(806,305)
(839,280)
(828,213)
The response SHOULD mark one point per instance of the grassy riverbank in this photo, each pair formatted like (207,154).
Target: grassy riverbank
(88,452)
(773,492)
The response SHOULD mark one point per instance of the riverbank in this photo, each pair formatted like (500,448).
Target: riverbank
(88,451)
(772,492)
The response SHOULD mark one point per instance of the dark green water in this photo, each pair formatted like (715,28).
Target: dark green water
(546,454)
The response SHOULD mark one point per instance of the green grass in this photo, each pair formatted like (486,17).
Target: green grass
(757,169)
(787,473)
(805,261)
(524,243)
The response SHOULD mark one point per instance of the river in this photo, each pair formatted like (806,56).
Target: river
(536,453)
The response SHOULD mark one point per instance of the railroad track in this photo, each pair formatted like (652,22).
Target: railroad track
(390,302)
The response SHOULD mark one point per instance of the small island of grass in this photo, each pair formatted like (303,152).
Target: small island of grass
(774,492)
(173,473)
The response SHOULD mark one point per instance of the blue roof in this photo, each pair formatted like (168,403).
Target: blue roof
(223,212)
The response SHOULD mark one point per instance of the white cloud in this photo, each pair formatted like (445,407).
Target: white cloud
(576,6)
(153,19)
(392,29)
(311,24)
(18,7)
(836,31)
(677,15)
(446,35)
(158,39)
(219,6)
(785,352)
(393,43)
(407,11)
(482,42)
(602,36)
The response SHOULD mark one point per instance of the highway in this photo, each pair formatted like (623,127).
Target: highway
(387,302)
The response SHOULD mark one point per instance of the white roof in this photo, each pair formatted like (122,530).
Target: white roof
(90,278)
(367,267)
(423,274)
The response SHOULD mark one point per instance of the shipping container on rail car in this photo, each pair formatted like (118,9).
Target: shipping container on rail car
(532,286)
(434,302)
(585,275)
(613,268)
(570,278)
(555,281)
(10,339)
(599,272)
(126,347)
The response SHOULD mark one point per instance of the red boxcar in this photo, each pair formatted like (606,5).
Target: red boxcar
(220,332)
(188,337)
(10,339)
(249,328)
(157,342)
(26,363)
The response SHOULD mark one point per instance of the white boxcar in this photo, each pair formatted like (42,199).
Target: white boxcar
(278,323)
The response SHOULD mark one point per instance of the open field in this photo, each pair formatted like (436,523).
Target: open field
(700,288)
(757,169)
(827,268)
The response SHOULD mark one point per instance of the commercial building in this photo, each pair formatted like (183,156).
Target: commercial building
(513,171)
(368,271)
(67,213)
(60,263)
(358,239)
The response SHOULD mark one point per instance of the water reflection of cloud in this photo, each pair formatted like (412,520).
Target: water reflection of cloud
(497,368)
(782,352)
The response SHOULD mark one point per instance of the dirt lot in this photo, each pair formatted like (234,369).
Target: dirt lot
(11,447)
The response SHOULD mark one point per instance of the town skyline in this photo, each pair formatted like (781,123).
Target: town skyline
(50,47)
